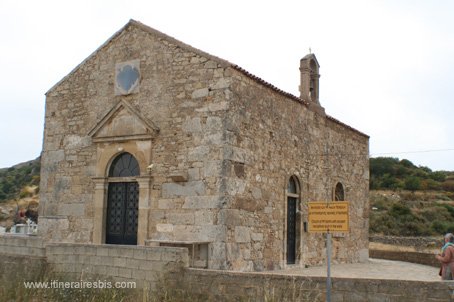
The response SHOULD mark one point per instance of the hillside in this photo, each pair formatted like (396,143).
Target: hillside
(19,191)
(388,173)
(14,179)
(406,213)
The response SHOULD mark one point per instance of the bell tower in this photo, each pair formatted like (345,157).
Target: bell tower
(309,82)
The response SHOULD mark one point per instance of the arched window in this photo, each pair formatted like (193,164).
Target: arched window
(124,165)
(339,192)
(292,186)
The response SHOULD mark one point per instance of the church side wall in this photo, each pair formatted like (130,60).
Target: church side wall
(272,138)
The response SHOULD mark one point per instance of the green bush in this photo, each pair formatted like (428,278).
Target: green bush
(411,214)
(390,173)
(412,183)
(399,209)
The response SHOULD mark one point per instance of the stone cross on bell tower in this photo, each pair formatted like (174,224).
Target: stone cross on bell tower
(309,82)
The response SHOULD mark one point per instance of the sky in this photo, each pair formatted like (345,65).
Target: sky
(387,67)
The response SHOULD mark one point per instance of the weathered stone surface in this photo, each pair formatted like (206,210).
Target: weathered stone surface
(193,188)
(200,93)
(242,234)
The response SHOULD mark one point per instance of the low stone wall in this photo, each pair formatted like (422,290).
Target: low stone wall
(414,257)
(419,250)
(212,285)
(17,245)
(418,243)
(144,265)
(119,262)
(147,266)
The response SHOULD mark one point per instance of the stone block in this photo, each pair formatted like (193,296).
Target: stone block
(222,83)
(242,234)
(194,174)
(199,93)
(153,254)
(71,209)
(256,236)
(237,154)
(192,125)
(230,217)
(139,274)
(119,261)
(213,139)
(192,188)
(201,202)
(140,254)
(204,217)
(168,203)
(124,272)
(164,227)
(235,186)
(100,251)
(256,193)
(133,263)
(212,168)
(181,218)
(198,153)
(128,251)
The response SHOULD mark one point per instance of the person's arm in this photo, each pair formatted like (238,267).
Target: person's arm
(447,255)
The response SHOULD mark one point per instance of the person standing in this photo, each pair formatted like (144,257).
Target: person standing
(446,258)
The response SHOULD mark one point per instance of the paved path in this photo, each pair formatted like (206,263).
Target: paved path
(373,269)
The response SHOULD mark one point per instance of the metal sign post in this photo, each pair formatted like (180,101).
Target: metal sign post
(327,217)
(328,273)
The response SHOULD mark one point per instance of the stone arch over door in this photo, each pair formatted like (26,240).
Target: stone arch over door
(107,183)
(292,226)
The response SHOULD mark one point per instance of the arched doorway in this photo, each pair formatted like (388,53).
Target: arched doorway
(292,206)
(122,201)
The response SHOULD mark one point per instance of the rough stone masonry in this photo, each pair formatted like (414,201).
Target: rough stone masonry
(150,141)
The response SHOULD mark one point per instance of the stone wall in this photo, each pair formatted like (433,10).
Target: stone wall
(418,243)
(28,246)
(414,257)
(420,250)
(272,137)
(232,286)
(145,265)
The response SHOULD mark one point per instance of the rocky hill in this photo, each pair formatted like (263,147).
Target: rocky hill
(19,191)
(15,178)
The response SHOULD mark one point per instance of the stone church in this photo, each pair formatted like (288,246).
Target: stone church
(150,141)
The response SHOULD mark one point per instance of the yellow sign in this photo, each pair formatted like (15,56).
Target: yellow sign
(328,217)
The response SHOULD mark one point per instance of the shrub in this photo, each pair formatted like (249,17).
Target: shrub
(448,185)
(412,183)
(399,209)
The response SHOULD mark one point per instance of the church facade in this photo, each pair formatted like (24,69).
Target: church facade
(150,141)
